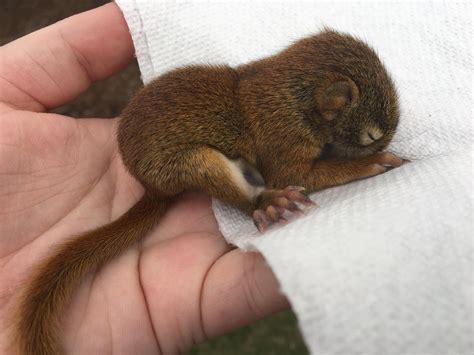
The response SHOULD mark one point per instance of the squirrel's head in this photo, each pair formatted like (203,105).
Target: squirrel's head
(355,97)
(362,118)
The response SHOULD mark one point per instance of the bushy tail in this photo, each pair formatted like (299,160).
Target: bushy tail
(50,289)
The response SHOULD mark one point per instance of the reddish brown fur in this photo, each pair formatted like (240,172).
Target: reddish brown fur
(277,114)
(51,287)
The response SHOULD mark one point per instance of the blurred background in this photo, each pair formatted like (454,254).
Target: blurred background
(275,335)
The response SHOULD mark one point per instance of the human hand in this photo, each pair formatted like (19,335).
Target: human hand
(61,176)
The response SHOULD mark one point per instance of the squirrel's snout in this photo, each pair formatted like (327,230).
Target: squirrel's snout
(370,135)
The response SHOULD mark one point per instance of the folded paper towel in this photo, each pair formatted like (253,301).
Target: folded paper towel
(384,266)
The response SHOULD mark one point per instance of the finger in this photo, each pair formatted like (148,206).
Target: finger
(53,65)
(239,289)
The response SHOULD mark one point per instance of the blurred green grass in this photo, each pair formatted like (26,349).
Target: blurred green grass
(275,335)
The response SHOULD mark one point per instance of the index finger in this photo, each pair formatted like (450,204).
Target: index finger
(49,67)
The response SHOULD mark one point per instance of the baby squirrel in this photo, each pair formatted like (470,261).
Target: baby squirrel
(315,115)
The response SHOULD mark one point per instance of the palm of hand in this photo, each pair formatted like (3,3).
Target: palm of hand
(61,177)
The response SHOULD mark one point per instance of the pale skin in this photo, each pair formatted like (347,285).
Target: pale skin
(61,176)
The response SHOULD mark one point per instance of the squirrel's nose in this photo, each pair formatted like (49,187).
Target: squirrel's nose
(370,135)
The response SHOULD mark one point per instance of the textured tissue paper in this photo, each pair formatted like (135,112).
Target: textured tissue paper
(384,265)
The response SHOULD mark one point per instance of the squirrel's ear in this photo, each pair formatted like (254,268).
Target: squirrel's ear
(335,96)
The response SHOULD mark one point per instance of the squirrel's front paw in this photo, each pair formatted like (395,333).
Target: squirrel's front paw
(274,203)
(378,163)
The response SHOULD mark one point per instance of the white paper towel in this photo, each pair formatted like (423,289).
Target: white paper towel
(384,266)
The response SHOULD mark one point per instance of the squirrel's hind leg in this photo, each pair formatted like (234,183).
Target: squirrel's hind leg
(233,181)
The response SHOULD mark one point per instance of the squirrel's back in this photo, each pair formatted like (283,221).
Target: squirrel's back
(198,99)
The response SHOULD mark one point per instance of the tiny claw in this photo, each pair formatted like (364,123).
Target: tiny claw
(299,212)
(295,209)
(260,226)
(309,201)
(292,206)
(294,188)
(260,220)
(304,199)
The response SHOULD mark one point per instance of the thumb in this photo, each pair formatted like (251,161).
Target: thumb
(240,289)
